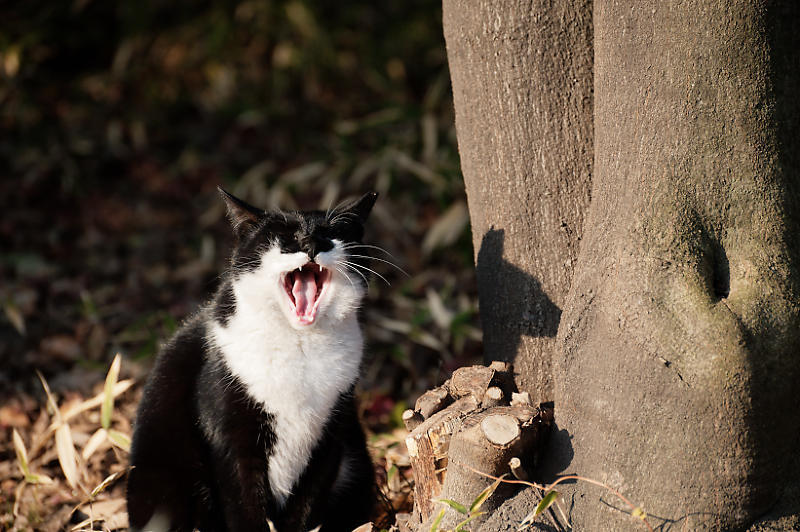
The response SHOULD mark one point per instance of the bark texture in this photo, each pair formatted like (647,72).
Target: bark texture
(681,336)
(522,75)
(678,350)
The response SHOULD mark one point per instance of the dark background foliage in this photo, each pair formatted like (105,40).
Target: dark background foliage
(119,120)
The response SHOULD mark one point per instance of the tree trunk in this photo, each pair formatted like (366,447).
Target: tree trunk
(679,342)
(681,335)
(522,78)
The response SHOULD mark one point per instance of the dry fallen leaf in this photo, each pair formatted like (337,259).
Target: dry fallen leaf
(67,456)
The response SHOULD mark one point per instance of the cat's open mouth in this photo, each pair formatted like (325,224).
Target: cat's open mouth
(305,287)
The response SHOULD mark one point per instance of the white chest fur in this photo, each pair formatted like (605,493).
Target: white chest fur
(296,375)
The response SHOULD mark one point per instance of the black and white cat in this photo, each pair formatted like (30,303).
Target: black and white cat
(248,414)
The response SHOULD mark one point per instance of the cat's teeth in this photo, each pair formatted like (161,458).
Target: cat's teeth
(301,268)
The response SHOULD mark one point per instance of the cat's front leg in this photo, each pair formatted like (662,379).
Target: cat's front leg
(305,508)
(244,493)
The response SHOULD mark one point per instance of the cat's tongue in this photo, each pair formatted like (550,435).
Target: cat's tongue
(305,294)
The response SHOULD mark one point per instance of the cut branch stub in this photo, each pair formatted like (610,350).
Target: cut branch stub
(432,401)
(476,380)
(412,419)
(493,397)
(503,377)
(515,464)
(472,380)
(500,429)
(520,399)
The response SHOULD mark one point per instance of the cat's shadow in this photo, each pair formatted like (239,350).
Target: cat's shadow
(513,303)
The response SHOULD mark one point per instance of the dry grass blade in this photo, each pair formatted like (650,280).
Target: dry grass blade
(50,399)
(22,454)
(110,479)
(15,317)
(17,498)
(95,441)
(108,393)
(120,388)
(65,449)
(67,456)
(22,458)
(83,524)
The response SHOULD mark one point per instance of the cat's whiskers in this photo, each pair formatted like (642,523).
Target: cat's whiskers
(347,265)
(343,215)
(353,264)
(345,275)
(354,245)
(335,210)
(381,260)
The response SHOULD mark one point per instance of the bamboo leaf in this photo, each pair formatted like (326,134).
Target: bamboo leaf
(35,478)
(106,482)
(22,454)
(485,494)
(119,388)
(460,508)
(121,440)
(546,502)
(50,399)
(108,393)
(437,521)
(94,443)
(67,456)
(74,410)
(460,526)
(15,317)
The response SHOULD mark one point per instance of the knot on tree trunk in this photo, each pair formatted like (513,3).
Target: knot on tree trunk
(473,425)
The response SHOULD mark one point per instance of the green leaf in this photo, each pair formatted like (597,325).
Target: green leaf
(108,393)
(22,454)
(482,496)
(546,502)
(460,508)
(38,479)
(459,527)
(437,521)
(123,441)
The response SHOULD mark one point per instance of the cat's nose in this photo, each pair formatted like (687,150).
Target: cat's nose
(314,245)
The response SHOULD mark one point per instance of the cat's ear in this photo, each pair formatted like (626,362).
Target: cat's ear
(362,206)
(241,214)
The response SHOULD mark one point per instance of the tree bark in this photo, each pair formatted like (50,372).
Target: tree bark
(681,335)
(679,342)
(522,76)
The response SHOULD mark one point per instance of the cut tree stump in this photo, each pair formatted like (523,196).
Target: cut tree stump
(467,425)
(493,397)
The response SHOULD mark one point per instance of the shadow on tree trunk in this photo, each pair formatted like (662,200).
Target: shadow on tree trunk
(516,304)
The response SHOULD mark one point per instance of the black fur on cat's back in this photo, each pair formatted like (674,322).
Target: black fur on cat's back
(202,444)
